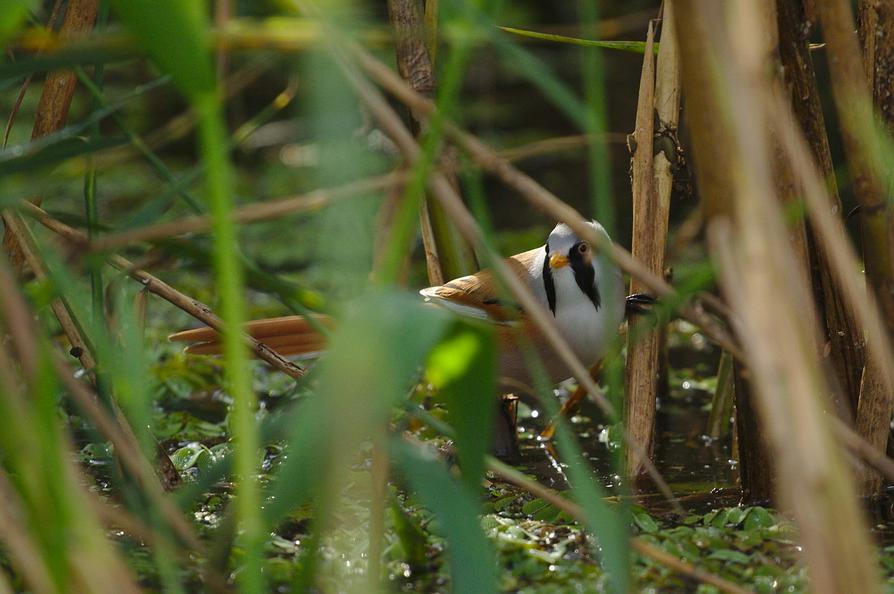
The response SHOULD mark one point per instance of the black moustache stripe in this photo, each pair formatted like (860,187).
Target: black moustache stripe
(548,283)
(585,277)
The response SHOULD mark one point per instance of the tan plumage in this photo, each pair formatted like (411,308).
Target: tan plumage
(479,290)
(584,293)
(287,335)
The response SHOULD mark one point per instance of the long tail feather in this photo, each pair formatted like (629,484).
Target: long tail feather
(288,335)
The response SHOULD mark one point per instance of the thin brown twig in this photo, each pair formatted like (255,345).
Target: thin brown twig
(309,202)
(51,23)
(154,285)
(25,247)
(313,200)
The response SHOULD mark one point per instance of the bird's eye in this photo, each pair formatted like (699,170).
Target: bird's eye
(583,248)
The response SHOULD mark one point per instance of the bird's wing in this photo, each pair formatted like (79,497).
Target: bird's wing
(474,296)
(477,295)
(288,335)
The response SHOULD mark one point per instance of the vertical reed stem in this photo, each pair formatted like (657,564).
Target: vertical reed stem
(649,236)
(447,255)
(854,105)
(845,342)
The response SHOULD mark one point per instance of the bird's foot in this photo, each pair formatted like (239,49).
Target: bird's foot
(640,303)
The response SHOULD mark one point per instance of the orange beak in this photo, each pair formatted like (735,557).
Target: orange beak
(557,261)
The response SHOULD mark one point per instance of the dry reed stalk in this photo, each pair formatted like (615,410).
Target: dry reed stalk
(877,37)
(55,100)
(317,199)
(761,279)
(649,237)
(832,239)
(250,213)
(447,255)
(854,106)
(844,340)
(709,126)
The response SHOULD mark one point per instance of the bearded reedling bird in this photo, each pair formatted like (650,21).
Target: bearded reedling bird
(582,289)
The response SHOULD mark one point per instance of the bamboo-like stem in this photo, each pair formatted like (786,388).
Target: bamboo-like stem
(761,280)
(854,106)
(649,237)
(841,330)
(718,425)
(709,125)
(877,37)
(447,255)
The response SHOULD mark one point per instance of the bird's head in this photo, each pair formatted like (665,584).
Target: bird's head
(568,256)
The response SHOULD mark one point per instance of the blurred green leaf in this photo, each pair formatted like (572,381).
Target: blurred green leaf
(637,47)
(65,149)
(12,14)
(173,33)
(456,511)
(374,356)
(75,54)
(410,535)
(463,368)
(759,517)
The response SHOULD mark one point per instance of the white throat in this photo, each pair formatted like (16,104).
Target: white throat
(588,330)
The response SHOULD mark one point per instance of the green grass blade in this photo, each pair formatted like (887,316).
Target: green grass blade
(456,511)
(12,15)
(636,47)
(174,34)
(463,369)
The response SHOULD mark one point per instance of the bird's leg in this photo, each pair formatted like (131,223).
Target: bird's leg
(639,303)
(571,405)
(505,436)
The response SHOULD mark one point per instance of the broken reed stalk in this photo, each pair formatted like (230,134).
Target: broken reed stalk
(649,237)
(447,255)
(854,106)
(154,285)
(844,339)
(709,129)
(54,103)
(760,277)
